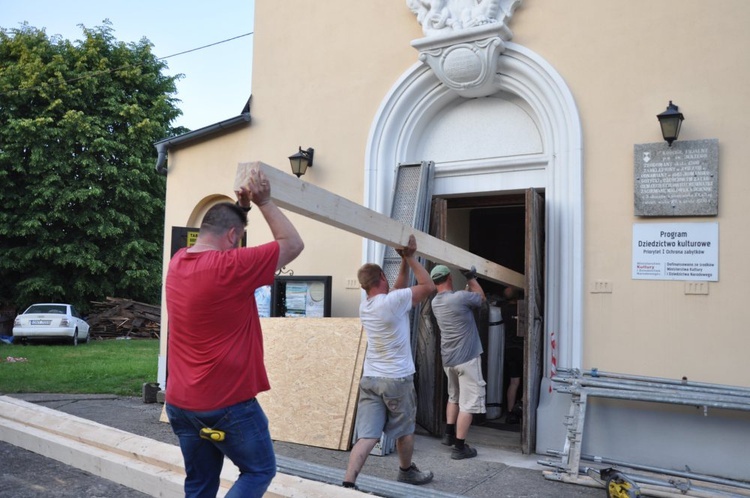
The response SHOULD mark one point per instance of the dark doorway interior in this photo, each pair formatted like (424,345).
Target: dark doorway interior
(497,232)
(495,228)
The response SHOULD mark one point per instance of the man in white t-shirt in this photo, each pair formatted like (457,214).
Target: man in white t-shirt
(387,399)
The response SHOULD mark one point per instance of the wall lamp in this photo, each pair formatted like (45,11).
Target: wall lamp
(670,121)
(301,160)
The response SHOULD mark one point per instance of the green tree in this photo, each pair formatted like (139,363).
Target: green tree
(81,207)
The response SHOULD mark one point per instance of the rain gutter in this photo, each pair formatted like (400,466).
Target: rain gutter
(163,146)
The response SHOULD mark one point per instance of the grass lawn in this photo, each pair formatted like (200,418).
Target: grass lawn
(101,367)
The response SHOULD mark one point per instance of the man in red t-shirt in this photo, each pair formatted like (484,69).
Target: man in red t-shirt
(215,345)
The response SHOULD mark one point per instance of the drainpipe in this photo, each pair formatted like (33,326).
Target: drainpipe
(161,159)
(162,146)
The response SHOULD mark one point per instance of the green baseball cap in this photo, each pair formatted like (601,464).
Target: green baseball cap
(439,272)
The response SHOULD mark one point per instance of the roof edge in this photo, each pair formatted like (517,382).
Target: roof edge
(163,146)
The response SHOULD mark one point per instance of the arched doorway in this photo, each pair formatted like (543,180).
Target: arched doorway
(527,135)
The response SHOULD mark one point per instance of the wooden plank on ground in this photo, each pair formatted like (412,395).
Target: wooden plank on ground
(151,467)
(130,460)
(298,196)
(314,366)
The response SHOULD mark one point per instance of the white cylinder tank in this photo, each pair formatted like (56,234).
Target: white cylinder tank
(495,351)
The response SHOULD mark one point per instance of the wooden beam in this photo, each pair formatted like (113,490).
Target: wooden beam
(303,198)
(151,467)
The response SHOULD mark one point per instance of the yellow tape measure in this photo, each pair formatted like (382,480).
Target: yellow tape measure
(212,434)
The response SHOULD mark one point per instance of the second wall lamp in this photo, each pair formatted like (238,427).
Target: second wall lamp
(301,160)
(670,121)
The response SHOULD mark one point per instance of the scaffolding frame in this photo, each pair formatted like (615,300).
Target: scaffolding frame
(595,384)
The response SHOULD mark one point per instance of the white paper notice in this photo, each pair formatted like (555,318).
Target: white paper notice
(676,251)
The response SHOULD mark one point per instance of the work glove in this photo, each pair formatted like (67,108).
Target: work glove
(469,274)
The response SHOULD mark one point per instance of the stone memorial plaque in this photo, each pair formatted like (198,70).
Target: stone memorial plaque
(681,180)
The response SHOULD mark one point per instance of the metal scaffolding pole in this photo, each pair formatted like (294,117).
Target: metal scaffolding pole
(655,395)
(594,372)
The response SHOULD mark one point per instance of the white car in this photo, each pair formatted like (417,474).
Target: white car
(49,321)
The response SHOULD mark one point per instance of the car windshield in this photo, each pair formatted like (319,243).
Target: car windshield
(46,308)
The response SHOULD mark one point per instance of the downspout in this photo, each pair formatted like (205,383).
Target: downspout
(161,159)
(162,146)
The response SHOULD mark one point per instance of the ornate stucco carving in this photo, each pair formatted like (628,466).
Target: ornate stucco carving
(463,40)
(438,16)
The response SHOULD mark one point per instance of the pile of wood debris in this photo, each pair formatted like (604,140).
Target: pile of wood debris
(124,318)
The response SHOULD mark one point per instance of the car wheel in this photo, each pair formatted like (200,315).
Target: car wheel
(88,337)
(75,338)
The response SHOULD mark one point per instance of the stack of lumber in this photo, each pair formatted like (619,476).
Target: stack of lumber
(119,317)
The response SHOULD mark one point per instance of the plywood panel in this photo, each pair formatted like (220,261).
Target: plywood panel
(314,366)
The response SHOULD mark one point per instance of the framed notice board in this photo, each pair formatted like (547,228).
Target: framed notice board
(301,296)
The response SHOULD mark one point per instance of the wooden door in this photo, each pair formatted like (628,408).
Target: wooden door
(430,379)
(532,319)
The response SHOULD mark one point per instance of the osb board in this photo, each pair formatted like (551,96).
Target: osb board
(314,366)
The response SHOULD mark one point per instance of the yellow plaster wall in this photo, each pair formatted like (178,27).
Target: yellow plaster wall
(320,88)
(321,70)
(623,62)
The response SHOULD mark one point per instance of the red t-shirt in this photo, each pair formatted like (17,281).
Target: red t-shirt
(215,344)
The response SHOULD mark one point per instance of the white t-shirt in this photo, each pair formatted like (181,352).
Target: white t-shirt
(385,318)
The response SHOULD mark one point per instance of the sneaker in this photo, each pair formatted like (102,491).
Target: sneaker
(465,452)
(448,439)
(414,476)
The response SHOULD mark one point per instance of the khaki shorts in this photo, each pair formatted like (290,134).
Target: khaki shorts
(386,406)
(466,386)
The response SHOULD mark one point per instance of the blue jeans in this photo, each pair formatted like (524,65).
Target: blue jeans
(247,444)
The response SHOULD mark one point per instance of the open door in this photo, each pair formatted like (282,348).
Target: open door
(430,378)
(532,320)
(507,229)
